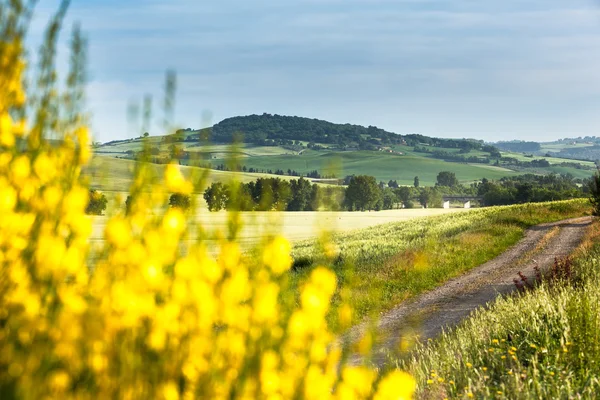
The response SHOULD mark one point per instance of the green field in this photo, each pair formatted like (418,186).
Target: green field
(111,174)
(556,147)
(551,160)
(384,166)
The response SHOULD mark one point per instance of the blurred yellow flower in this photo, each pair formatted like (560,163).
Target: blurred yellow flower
(397,385)
(276,255)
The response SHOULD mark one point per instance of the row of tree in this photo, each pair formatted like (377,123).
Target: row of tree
(363,193)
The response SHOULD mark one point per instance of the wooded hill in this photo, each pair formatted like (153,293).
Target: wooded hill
(273,129)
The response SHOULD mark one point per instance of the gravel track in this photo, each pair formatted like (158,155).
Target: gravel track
(444,307)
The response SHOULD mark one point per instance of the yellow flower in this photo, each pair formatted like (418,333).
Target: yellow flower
(7,137)
(170,391)
(60,380)
(20,170)
(118,232)
(44,168)
(265,302)
(396,385)
(360,379)
(175,180)
(276,255)
(8,197)
(174,221)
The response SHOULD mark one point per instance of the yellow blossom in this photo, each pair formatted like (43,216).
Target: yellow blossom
(175,180)
(277,255)
(396,385)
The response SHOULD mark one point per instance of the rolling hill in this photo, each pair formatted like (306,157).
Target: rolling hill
(296,145)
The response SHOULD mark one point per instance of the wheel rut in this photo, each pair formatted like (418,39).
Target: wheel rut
(429,314)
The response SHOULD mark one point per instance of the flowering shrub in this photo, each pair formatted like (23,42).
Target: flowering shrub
(147,318)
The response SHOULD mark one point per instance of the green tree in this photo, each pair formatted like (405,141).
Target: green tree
(216,196)
(404,195)
(180,200)
(97,203)
(128,203)
(362,193)
(389,199)
(302,195)
(430,197)
(595,193)
(447,178)
(416,182)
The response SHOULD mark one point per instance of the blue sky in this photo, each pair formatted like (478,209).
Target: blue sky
(492,70)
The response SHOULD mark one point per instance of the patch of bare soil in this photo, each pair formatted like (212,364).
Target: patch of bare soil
(444,307)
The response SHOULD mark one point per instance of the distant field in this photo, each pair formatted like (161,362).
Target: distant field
(115,175)
(295,226)
(384,166)
(246,151)
(559,146)
(551,160)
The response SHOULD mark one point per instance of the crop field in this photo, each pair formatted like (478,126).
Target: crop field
(384,166)
(137,145)
(294,226)
(112,174)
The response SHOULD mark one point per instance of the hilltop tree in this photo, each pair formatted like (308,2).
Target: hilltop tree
(416,182)
(362,193)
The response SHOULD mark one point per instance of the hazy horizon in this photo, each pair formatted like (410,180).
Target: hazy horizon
(492,71)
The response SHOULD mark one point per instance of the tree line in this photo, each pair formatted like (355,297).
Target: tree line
(364,193)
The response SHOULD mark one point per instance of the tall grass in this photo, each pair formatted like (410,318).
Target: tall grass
(381,266)
(544,343)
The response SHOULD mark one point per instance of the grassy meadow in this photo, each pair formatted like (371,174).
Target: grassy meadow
(543,343)
(380,266)
(384,166)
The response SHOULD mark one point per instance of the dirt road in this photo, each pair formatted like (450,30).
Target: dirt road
(429,313)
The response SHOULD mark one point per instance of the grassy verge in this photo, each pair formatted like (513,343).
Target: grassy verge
(544,343)
(380,266)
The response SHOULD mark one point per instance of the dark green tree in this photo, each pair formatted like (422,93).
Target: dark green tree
(416,182)
(447,178)
(362,193)
(404,195)
(301,195)
(430,197)
(180,200)
(97,203)
(216,196)
(389,199)
(594,187)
